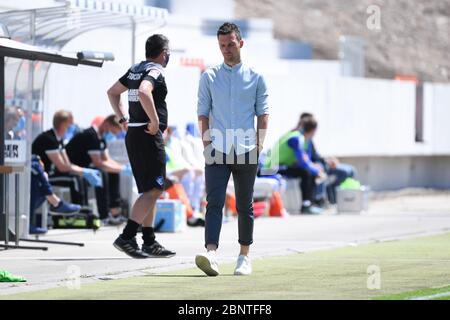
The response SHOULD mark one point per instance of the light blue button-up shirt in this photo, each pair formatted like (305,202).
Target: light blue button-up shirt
(231,97)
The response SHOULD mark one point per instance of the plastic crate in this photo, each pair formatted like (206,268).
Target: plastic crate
(352,200)
(170,216)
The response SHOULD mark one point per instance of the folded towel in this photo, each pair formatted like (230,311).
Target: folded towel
(5,276)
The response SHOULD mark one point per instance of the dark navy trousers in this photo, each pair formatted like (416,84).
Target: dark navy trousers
(218,169)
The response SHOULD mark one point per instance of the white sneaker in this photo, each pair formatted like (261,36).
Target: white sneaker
(207,262)
(243,266)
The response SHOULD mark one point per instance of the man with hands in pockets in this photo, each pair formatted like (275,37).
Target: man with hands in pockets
(230,96)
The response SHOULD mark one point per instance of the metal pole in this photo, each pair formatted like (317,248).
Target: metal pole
(6,195)
(12,246)
(44,216)
(133,41)
(16,79)
(2,129)
(79,244)
(17,213)
(26,176)
(3,204)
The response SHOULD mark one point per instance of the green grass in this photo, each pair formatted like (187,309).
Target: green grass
(422,293)
(405,266)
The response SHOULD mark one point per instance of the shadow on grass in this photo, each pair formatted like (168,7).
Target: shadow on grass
(185,275)
(79,259)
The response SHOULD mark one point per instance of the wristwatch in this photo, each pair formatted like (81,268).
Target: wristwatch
(123,119)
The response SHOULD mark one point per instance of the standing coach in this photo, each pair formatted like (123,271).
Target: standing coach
(230,96)
(144,141)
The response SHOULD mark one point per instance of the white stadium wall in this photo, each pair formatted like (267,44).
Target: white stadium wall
(356,116)
(437,117)
(362,117)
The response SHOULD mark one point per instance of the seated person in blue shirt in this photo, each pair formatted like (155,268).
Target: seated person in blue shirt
(41,190)
(289,158)
(333,167)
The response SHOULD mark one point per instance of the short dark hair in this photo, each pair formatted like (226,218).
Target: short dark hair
(229,27)
(155,44)
(305,115)
(309,124)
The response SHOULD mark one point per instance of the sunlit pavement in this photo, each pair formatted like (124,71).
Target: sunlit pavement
(394,217)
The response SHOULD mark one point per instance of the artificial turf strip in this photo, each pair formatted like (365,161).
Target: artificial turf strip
(404,266)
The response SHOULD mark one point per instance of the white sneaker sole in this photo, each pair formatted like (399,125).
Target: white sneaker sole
(204,264)
(239,273)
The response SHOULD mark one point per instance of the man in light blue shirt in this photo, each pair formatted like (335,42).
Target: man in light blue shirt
(230,96)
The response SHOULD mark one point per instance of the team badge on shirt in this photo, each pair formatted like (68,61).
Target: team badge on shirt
(160,180)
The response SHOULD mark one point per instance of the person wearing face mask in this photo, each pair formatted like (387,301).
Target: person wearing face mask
(89,149)
(147,90)
(71,131)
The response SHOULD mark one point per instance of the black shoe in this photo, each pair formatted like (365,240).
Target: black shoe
(130,247)
(196,222)
(311,210)
(113,221)
(157,251)
(321,203)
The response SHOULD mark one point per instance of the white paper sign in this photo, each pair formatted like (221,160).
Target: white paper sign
(15,151)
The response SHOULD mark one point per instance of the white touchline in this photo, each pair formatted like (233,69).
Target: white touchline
(433,296)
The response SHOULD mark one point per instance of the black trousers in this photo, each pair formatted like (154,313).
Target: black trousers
(147,158)
(76,184)
(307,183)
(108,196)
